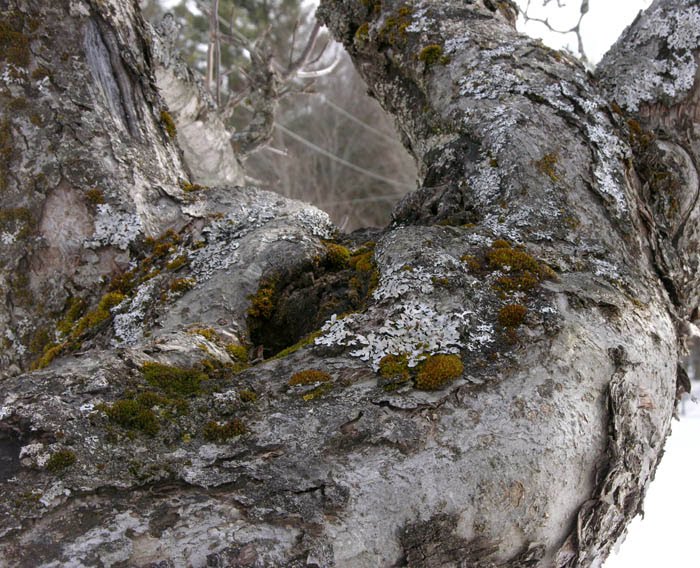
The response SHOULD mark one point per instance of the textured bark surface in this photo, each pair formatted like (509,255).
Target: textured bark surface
(546,259)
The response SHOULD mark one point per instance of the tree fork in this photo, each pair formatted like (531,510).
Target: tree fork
(500,397)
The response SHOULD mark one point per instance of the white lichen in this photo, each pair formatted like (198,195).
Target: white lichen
(115,228)
(130,315)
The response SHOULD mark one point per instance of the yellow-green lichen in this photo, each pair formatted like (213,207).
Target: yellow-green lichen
(168,123)
(217,432)
(308,377)
(60,460)
(437,371)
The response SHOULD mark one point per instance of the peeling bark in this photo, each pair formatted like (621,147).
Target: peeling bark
(497,396)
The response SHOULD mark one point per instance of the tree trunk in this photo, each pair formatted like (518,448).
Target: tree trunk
(499,386)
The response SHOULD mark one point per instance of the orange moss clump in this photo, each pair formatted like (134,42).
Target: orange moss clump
(512,315)
(308,377)
(437,371)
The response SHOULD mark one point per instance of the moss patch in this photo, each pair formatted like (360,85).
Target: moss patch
(512,315)
(432,54)
(262,303)
(133,414)
(98,315)
(393,32)
(308,377)
(547,165)
(60,460)
(174,380)
(168,123)
(437,371)
(217,432)
(14,43)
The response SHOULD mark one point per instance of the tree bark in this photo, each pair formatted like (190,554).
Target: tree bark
(499,386)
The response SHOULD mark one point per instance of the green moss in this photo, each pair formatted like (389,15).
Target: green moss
(393,32)
(337,256)
(182,285)
(138,413)
(60,460)
(17,105)
(177,262)
(248,396)
(318,392)
(168,123)
(362,33)
(308,377)
(40,73)
(6,151)
(394,367)
(262,304)
(14,43)
(239,355)
(472,262)
(99,315)
(437,371)
(216,432)
(51,351)
(173,380)
(188,187)
(206,332)
(303,342)
(362,261)
(440,282)
(432,54)
(17,221)
(547,165)
(133,414)
(95,196)
(238,352)
(40,339)
(512,315)
(374,6)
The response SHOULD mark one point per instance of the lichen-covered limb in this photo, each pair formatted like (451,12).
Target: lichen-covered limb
(651,73)
(492,385)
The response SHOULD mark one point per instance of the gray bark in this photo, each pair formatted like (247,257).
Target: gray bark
(549,250)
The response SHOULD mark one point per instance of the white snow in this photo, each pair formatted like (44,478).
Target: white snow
(666,536)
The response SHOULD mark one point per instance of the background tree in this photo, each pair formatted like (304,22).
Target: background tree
(226,379)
